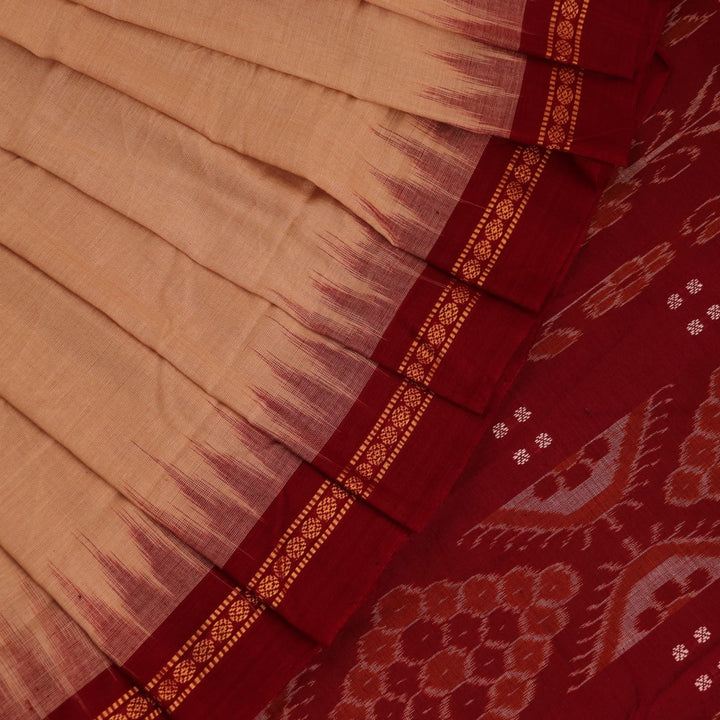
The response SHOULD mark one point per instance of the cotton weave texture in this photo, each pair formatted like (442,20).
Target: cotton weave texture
(275,276)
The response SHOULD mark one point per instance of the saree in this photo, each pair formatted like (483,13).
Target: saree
(267,273)
(586,584)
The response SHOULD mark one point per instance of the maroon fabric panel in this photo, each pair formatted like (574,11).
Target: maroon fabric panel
(617,37)
(585,112)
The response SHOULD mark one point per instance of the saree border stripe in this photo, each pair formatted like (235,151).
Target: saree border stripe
(557,130)
(614,37)
(538,233)
(587,113)
(191,663)
(501,215)
(458,303)
(565,30)
(564,107)
(321,515)
(330,503)
(438,333)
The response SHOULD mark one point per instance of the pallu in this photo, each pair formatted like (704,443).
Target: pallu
(268,271)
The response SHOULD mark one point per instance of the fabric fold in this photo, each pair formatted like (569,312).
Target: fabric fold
(352,286)
(485,236)
(482,209)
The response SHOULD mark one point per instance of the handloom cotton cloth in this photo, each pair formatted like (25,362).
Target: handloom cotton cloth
(574,570)
(266,271)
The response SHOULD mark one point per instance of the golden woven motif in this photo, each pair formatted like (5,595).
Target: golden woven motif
(557,130)
(502,214)
(565,31)
(438,333)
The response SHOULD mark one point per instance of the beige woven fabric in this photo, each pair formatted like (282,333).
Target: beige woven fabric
(358,48)
(264,231)
(384,165)
(495,21)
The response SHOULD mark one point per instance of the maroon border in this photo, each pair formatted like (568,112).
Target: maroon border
(610,108)
(618,36)
(544,236)
(483,346)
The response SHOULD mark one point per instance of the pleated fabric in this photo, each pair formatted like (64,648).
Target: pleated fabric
(383,57)
(265,271)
